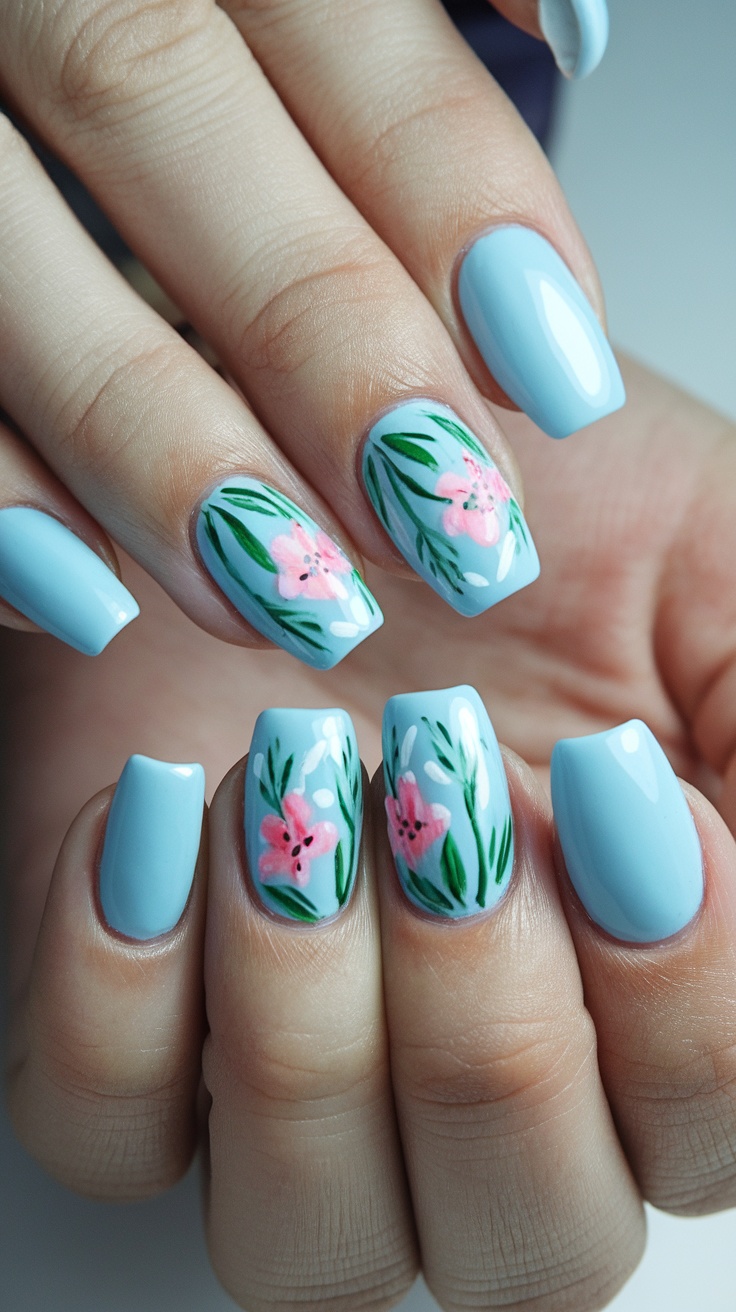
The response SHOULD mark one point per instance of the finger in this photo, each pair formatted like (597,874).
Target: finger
(141,429)
(307,1197)
(575,30)
(665,1011)
(320,325)
(58,572)
(106,1046)
(521,1192)
(443,167)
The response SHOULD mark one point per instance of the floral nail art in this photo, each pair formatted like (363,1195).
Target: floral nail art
(447,801)
(303,811)
(446,507)
(284,574)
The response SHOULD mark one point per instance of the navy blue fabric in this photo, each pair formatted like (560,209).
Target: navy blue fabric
(521,65)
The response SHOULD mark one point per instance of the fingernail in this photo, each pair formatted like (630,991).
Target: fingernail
(446,507)
(447,802)
(303,812)
(537,332)
(53,578)
(576,32)
(627,834)
(284,574)
(151,845)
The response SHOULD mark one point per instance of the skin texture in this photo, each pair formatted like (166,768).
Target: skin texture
(633,615)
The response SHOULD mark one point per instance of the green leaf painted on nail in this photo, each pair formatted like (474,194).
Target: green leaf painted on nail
(247,540)
(425,892)
(504,851)
(399,442)
(294,903)
(341,875)
(453,870)
(461,434)
(417,489)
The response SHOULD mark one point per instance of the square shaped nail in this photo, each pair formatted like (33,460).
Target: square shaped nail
(536,331)
(283,573)
(446,506)
(447,802)
(303,812)
(151,844)
(53,578)
(627,833)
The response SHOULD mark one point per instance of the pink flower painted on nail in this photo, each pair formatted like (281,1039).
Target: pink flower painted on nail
(475,498)
(309,566)
(413,824)
(294,842)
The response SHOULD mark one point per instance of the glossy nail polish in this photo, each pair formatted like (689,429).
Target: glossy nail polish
(627,833)
(447,802)
(303,812)
(444,504)
(151,845)
(53,578)
(283,573)
(576,32)
(536,331)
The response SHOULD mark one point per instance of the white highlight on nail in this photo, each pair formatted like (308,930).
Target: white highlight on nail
(475,580)
(407,745)
(323,798)
(630,740)
(470,735)
(343,629)
(436,772)
(258,764)
(508,551)
(359,612)
(572,337)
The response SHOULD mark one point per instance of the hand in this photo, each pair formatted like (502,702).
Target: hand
(304,181)
(526,1156)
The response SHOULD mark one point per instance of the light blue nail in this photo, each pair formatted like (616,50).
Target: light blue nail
(283,573)
(56,580)
(576,32)
(447,801)
(444,504)
(627,833)
(303,811)
(537,332)
(151,845)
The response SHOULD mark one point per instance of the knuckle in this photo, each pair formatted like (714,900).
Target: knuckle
(335,280)
(521,1066)
(95,425)
(283,1070)
(99,55)
(685,1149)
(366,1274)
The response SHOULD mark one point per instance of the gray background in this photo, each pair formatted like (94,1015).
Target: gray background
(645,151)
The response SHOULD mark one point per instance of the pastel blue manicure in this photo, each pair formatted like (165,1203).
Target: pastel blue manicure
(303,812)
(151,844)
(576,32)
(283,573)
(447,802)
(53,578)
(443,502)
(537,332)
(627,833)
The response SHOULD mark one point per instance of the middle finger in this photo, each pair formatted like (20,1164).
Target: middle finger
(321,325)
